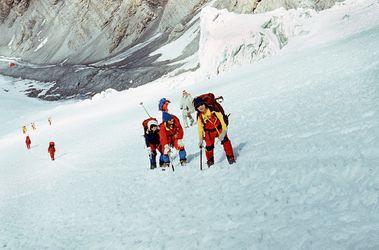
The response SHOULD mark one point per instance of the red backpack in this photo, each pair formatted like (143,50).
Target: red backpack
(213,104)
(145,122)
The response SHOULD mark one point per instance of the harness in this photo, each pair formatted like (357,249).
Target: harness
(216,128)
(213,129)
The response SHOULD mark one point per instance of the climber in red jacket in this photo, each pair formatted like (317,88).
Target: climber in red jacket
(51,150)
(171,136)
(28,142)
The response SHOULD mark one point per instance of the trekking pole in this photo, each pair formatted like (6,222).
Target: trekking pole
(201,158)
(172,166)
(141,103)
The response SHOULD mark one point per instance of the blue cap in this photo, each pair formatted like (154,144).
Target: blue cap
(166,116)
(162,102)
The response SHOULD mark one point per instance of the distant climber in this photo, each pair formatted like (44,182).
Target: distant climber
(171,136)
(186,105)
(33,125)
(24,129)
(51,150)
(28,142)
(11,65)
(49,120)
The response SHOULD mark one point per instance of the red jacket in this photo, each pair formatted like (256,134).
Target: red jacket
(28,141)
(169,134)
(51,149)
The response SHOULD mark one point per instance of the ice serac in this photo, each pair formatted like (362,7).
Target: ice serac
(265,35)
(259,6)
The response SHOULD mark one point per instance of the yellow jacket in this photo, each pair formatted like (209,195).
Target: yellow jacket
(207,118)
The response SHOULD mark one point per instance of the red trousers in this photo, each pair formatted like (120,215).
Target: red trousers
(154,147)
(52,153)
(210,141)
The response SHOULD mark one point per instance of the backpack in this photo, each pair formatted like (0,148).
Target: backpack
(145,123)
(213,104)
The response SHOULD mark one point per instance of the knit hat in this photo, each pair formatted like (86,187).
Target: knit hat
(198,102)
(162,102)
(166,116)
(152,123)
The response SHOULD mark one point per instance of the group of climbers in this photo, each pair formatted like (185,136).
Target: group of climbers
(51,149)
(168,136)
(164,137)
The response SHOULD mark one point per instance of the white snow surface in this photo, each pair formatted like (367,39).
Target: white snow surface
(15,109)
(304,125)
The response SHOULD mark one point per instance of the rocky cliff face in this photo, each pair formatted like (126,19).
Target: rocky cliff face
(63,34)
(81,31)
(17,6)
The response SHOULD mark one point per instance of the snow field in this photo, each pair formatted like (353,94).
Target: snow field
(304,126)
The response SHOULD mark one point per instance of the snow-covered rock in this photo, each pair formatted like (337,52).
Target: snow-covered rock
(104,94)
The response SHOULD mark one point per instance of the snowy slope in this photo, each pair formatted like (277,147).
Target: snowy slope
(12,93)
(303,124)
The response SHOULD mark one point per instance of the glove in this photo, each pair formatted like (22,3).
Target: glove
(222,135)
(200,143)
(166,149)
(180,143)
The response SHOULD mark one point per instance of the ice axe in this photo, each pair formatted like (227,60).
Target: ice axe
(219,99)
(141,103)
(201,158)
